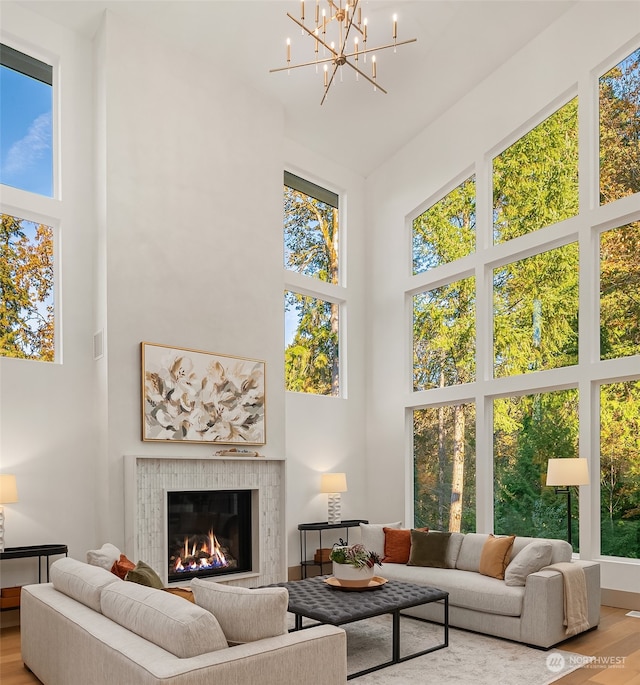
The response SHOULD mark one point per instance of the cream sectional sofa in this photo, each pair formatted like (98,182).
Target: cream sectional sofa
(89,627)
(531,612)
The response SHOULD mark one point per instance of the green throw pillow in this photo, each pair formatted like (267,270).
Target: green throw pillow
(143,574)
(428,549)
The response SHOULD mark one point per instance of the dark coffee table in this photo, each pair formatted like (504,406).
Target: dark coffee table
(314,599)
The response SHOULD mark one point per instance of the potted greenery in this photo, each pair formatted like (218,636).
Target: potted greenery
(353,565)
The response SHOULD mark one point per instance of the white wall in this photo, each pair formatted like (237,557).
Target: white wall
(47,435)
(193,230)
(563,60)
(326,434)
(175,237)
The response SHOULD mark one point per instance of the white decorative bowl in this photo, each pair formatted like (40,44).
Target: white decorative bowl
(350,576)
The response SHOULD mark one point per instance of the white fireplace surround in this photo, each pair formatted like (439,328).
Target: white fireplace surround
(147,480)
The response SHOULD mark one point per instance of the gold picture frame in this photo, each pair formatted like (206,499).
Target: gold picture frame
(193,396)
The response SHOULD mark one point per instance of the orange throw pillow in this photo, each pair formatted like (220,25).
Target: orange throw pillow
(495,555)
(397,545)
(122,566)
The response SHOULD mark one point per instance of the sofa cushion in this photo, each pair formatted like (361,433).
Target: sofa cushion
(105,557)
(561,550)
(532,558)
(83,582)
(372,536)
(245,615)
(429,549)
(495,555)
(453,549)
(143,574)
(470,551)
(179,627)
(467,589)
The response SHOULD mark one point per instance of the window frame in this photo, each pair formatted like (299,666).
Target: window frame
(35,207)
(313,287)
(590,373)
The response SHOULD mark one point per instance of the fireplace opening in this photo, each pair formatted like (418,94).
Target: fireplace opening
(208,533)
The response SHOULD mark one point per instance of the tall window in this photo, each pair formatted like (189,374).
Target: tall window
(26,247)
(619,292)
(444,335)
(444,452)
(528,431)
(620,469)
(535,181)
(26,112)
(620,130)
(26,287)
(513,340)
(447,230)
(535,318)
(311,249)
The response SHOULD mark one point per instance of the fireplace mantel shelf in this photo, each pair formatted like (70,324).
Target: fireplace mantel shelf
(203,458)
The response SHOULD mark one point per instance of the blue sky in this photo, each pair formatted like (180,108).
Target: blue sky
(26,152)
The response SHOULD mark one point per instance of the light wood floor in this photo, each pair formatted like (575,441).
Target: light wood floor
(617,636)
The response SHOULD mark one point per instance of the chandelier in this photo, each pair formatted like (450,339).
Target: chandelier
(334,48)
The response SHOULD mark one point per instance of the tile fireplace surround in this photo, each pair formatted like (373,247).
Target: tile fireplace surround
(148,478)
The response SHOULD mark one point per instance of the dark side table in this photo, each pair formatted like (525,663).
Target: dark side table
(10,597)
(305,528)
(40,551)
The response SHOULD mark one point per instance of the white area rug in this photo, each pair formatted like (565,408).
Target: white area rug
(470,658)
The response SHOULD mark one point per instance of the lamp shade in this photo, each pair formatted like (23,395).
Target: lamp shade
(8,489)
(570,471)
(333,482)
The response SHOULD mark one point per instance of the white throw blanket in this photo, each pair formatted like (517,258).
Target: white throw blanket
(575,596)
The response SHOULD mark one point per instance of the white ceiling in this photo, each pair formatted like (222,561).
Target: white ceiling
(459,42)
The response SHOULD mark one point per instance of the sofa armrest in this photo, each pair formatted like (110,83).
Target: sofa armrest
(543,605)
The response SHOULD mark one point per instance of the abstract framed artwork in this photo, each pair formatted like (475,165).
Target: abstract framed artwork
(201,397)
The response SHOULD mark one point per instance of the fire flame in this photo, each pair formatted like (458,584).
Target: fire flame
(210,555)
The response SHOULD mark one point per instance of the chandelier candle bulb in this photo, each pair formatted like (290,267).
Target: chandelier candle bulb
(288,50)
(395,26)
(355,55)
(326,75)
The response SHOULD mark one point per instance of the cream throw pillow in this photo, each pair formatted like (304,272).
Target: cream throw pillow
(105,557)
(244,615)
(530,559)
(180,627)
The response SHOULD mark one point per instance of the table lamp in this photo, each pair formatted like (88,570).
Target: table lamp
(8,495)
(333,484)
(563,474)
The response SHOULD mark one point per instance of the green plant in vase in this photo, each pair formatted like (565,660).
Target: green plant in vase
(356,555)
(353,564)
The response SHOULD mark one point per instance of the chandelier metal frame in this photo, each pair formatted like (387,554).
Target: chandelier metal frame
(349,18)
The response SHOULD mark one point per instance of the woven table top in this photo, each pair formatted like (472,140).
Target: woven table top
(315,599)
